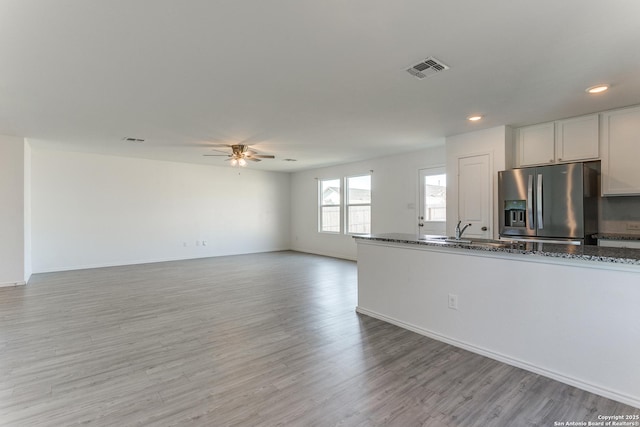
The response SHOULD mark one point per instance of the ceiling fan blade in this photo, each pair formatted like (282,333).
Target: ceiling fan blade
(216,155)
(263,156)
(220,151)
(253,159)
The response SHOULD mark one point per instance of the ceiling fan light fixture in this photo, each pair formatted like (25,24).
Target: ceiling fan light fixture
(240,155)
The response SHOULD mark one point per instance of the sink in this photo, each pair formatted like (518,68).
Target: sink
(459,241)
(429,237)
(500,245)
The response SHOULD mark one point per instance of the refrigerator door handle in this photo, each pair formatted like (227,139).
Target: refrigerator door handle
(530,202)
(539,203)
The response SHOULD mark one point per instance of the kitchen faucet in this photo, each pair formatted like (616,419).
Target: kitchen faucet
(459,232)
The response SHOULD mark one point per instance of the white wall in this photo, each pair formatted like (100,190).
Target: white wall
(394,186)
(12,215)
(495,142)
(93,210)
(27,211)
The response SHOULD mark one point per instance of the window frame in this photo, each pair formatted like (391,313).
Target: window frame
(347,205)
(343,206)
(321,205)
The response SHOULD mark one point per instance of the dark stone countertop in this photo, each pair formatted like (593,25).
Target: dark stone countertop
(584,252)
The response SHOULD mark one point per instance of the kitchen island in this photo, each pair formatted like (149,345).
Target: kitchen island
(570,313)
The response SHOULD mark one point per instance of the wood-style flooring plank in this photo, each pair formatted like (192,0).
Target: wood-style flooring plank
(253,340)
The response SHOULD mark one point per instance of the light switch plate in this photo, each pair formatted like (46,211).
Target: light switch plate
(453,301)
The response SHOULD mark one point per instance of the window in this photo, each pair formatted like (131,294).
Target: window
(330,197)
(356,201)
(435,197)
(433,201)
(358,204)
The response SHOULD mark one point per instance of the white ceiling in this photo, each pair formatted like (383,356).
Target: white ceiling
(322,82)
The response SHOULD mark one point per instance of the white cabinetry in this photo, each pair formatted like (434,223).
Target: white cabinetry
(536,145)
(577,139)
(516,306)
(562,141)
(620,137)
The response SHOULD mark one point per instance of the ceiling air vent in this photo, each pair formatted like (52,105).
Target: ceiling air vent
(428,67)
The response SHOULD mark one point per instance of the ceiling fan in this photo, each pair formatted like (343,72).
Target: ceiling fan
(240,153)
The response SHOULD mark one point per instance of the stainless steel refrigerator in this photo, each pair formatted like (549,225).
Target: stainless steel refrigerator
(557,203)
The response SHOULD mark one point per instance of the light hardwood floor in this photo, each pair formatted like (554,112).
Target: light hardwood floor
(253,340)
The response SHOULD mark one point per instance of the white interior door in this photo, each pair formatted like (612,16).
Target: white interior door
(475,195)
(432,216)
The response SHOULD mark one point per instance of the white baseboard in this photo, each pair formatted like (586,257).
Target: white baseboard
(610,394)
(322,253)
(8,284)
(144,261)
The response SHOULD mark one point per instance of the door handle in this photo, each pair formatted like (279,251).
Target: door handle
(484,228)
(539,203)
(530,202)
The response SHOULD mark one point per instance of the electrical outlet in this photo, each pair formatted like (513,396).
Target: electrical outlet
(635,225)
(453,301)
(197,242)
(204,243)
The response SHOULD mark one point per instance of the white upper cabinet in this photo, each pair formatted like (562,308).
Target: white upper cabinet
(569,140)
(577,139)
(620,137)
(536,145)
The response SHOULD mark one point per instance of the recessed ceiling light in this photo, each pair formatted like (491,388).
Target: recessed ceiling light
(597,89)
(474,118)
